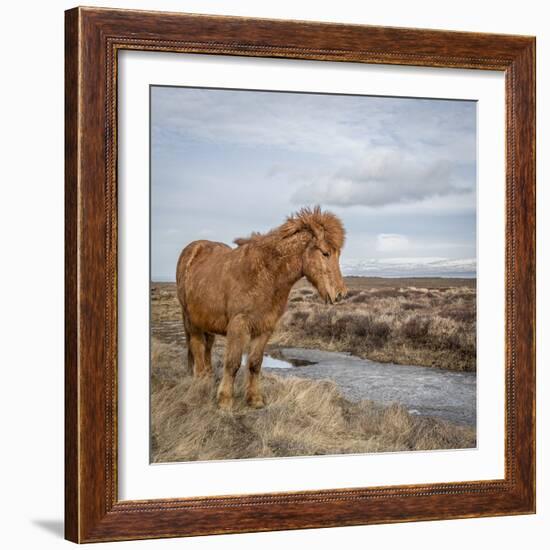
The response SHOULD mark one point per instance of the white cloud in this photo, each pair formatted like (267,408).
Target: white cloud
(258,119)
(391,242)
(385,177)
(330,126)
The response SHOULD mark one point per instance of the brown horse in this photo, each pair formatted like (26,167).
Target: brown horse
(242,292)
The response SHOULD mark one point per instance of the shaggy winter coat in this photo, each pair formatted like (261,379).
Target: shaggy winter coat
(242,292)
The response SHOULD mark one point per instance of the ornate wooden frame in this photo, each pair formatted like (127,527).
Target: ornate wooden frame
(93,38)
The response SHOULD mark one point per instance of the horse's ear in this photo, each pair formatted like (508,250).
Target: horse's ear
(318,232)
(289,228)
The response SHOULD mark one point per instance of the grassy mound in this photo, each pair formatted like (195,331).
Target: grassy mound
(302,417)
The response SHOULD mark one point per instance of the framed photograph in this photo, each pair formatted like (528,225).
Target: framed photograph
(300,275)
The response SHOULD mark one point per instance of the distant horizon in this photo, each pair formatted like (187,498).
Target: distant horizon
(393,268)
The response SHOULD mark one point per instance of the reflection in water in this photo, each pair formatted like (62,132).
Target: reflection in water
(273,363)
(277,361)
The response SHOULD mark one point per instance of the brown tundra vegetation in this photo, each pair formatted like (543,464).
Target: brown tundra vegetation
(428,322)
(409,321)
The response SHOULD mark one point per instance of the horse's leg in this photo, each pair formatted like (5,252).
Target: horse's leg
(186,330)
(209,342)
(190,360)
(237,336)
(255,357)
(198,349)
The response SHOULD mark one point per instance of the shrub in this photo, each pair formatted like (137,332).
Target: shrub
(378,331)
(458,341)
(416,328)
(366,327)
(386,293)
(341,326)
(452,340)
(320,324)
(413,293)
(299,318)
(360,298)
(360,330)
(463,314)
(407,306)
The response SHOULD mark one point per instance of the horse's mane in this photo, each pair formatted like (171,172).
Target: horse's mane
(322,225)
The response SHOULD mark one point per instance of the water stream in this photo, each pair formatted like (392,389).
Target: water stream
(421,390)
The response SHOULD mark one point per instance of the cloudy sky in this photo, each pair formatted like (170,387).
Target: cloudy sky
(400,172)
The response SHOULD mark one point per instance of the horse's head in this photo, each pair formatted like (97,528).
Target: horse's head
(319,238)
(322,270)
(321,260)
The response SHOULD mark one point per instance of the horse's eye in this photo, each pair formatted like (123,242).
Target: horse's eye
(326,254)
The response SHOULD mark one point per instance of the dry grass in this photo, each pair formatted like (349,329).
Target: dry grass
(302,417)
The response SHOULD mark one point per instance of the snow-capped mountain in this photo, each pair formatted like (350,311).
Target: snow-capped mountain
(410,267)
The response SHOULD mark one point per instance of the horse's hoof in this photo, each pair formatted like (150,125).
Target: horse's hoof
(225,403)
(256,402)
(204,375)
